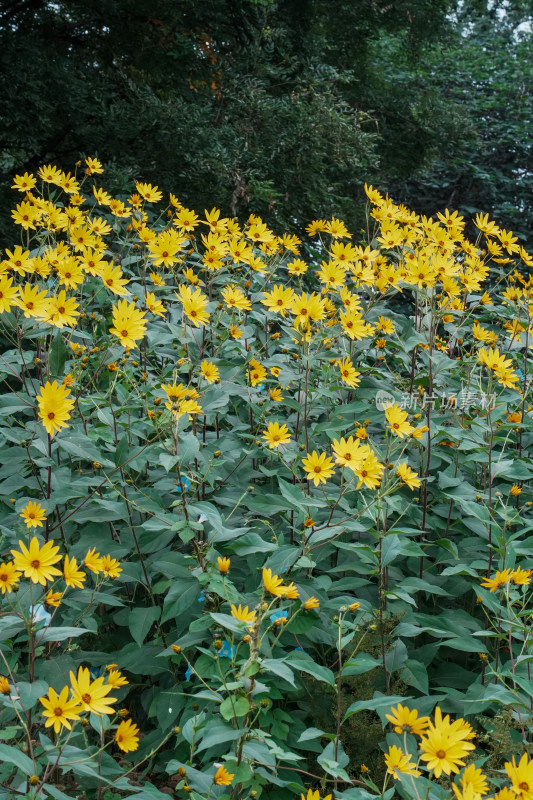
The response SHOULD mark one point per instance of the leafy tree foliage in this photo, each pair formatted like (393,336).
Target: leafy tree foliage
(481,80)
(281,108)
(261,106)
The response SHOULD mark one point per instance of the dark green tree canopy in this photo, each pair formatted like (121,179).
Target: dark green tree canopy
(280,108)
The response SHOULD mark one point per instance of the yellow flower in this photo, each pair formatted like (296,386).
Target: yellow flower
(297,267)
(242,614)
(115,678)
(129,324)
(521,577)
(408,476)
(101,197)
(150,193)
(234,297)
(154,305)
(318,467)
(406,720)
(53,598)
(194,303)
(9,577)
(314,795)
(36,562)
(94,167)
(92,695)
(210,373)
(24,183)
(59,710)
(272,583)
(499,579)
(127,736)
(306,309)
(112,278)
(310,603)
(4,685)
(444,745)
(369,472)
(186,220)
(474,777)
(398,762)
(55,406)
(348,452)
(349,374)
(397,420)
(235,332)
(354,325)
(223,564)
(74,577)
(93,561)
(290,591)
(275,395)
(386,325)
(157,279)
(223,777)
(515,490)
(33,514)
(276,435)
(521,777)
(256,372)
(279,299)
(32,302)
(417,433)
(110,567)
(469,793)
(8,293)
(25,215)
(165,249)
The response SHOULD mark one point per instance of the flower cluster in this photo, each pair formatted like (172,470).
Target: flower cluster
(36,562)
(444,745)
(91,696)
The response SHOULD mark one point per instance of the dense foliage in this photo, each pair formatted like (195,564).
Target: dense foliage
(283,109)
(259,498)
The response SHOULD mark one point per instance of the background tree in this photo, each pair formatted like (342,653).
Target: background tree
(280,108)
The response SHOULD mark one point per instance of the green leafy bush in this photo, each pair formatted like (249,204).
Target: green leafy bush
(259,499)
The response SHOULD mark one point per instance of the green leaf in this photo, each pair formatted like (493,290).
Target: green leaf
(217,733)
(181,596)
(334,766)
(310,734)
(391,547)
(319,672)
(279,667)
(228,622)
(15,756)
(234,707)
(189,447)
(53,791)
(9,626)
(29,693)
(60,634)
(359,664)
(141,620)
(296,497)
(381,704)
(122,451)
(76,444)
(57,355)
